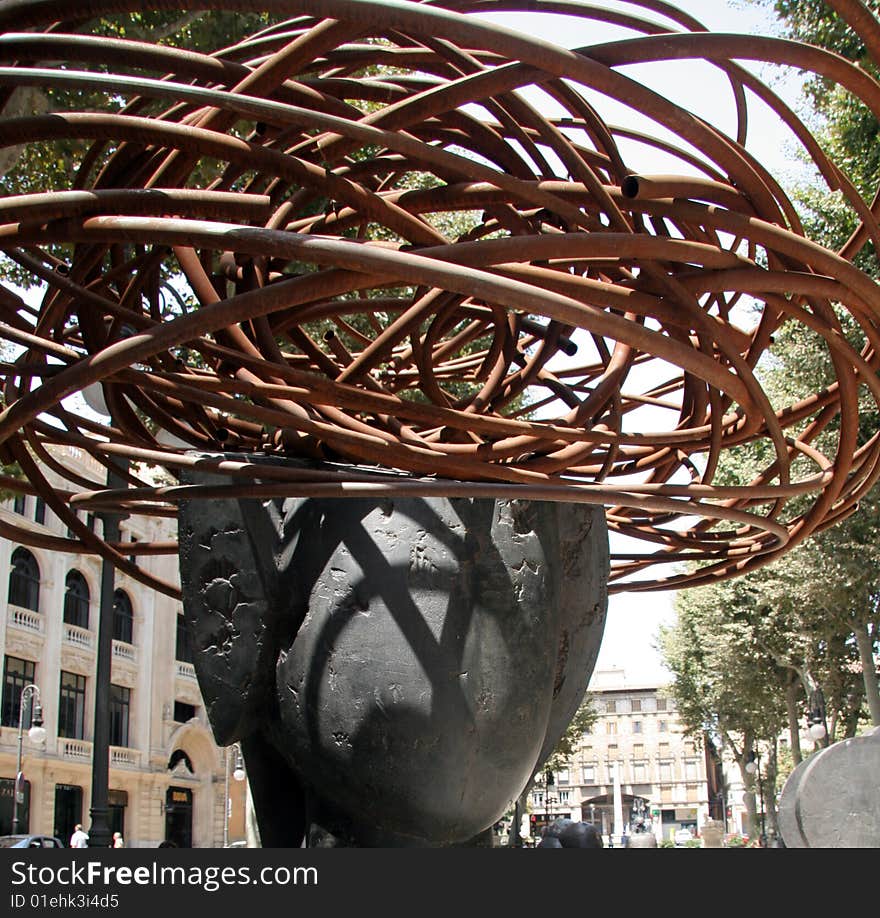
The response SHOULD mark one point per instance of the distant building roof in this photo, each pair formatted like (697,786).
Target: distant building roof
(615,679)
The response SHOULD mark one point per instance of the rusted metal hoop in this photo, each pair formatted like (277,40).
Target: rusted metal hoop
(395,235)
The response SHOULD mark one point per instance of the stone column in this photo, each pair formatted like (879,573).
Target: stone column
(712,833)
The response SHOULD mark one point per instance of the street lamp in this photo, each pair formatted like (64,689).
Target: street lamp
(238,773)
(753,765)
(722,801)
(552,801)
(37,735)
(818,725)
(545,781)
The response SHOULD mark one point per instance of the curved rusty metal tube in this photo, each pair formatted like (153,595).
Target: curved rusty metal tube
(405,238)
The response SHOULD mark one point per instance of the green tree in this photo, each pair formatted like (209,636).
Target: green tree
(726,684)
(847,129)
(839,574)
(39,167)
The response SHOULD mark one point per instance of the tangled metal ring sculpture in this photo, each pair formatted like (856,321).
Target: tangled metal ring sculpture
(402,236)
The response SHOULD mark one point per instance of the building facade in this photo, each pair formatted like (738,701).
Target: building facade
(637,741)
(168,779)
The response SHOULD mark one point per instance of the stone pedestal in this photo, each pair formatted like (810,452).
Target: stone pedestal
(712,834)
(641,840)
(396,669)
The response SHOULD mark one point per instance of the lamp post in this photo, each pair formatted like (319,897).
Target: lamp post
(722,799)
(551,799)
(818,725)
(99,830)
(753,765)
(37,734)
(546,781)
(617,824)
(238,774)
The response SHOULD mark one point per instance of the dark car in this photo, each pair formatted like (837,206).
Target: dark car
(30,841)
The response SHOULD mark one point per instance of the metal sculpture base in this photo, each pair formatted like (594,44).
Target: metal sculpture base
(395,669)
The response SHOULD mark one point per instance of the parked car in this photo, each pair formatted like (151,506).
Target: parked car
(30,841)
(682,837)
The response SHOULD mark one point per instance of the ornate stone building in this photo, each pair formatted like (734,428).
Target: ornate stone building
(168,779)
(637,733)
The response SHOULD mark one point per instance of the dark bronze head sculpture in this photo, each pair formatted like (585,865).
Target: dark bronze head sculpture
(400,251)
(568,833)
(395,667)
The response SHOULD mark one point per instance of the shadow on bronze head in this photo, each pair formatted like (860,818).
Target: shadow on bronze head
(395,670)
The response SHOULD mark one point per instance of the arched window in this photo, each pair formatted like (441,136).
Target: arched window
(76,600)
(123,618)
(24,580)
(179,756)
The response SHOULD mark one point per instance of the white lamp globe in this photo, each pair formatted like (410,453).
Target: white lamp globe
(238,774)
(817,731)
(751,767)
(37,734)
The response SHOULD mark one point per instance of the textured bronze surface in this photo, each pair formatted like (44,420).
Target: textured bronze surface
(404,236)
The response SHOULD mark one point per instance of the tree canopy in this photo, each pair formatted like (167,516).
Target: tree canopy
(750,655)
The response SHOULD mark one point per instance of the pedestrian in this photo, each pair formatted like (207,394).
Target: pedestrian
(117,840)
(79,839)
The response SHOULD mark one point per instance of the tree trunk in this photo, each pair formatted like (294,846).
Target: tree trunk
(792,691)
(750,800)
(869,673)
(854,710)
(770,780)
(749,781)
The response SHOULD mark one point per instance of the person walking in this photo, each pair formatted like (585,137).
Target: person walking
(117,840)
(79,839)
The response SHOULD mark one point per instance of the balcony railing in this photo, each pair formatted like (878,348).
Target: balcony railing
(81,750)
(123,757)
(186,670)
(79,637)
(26,619)
(124,651)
